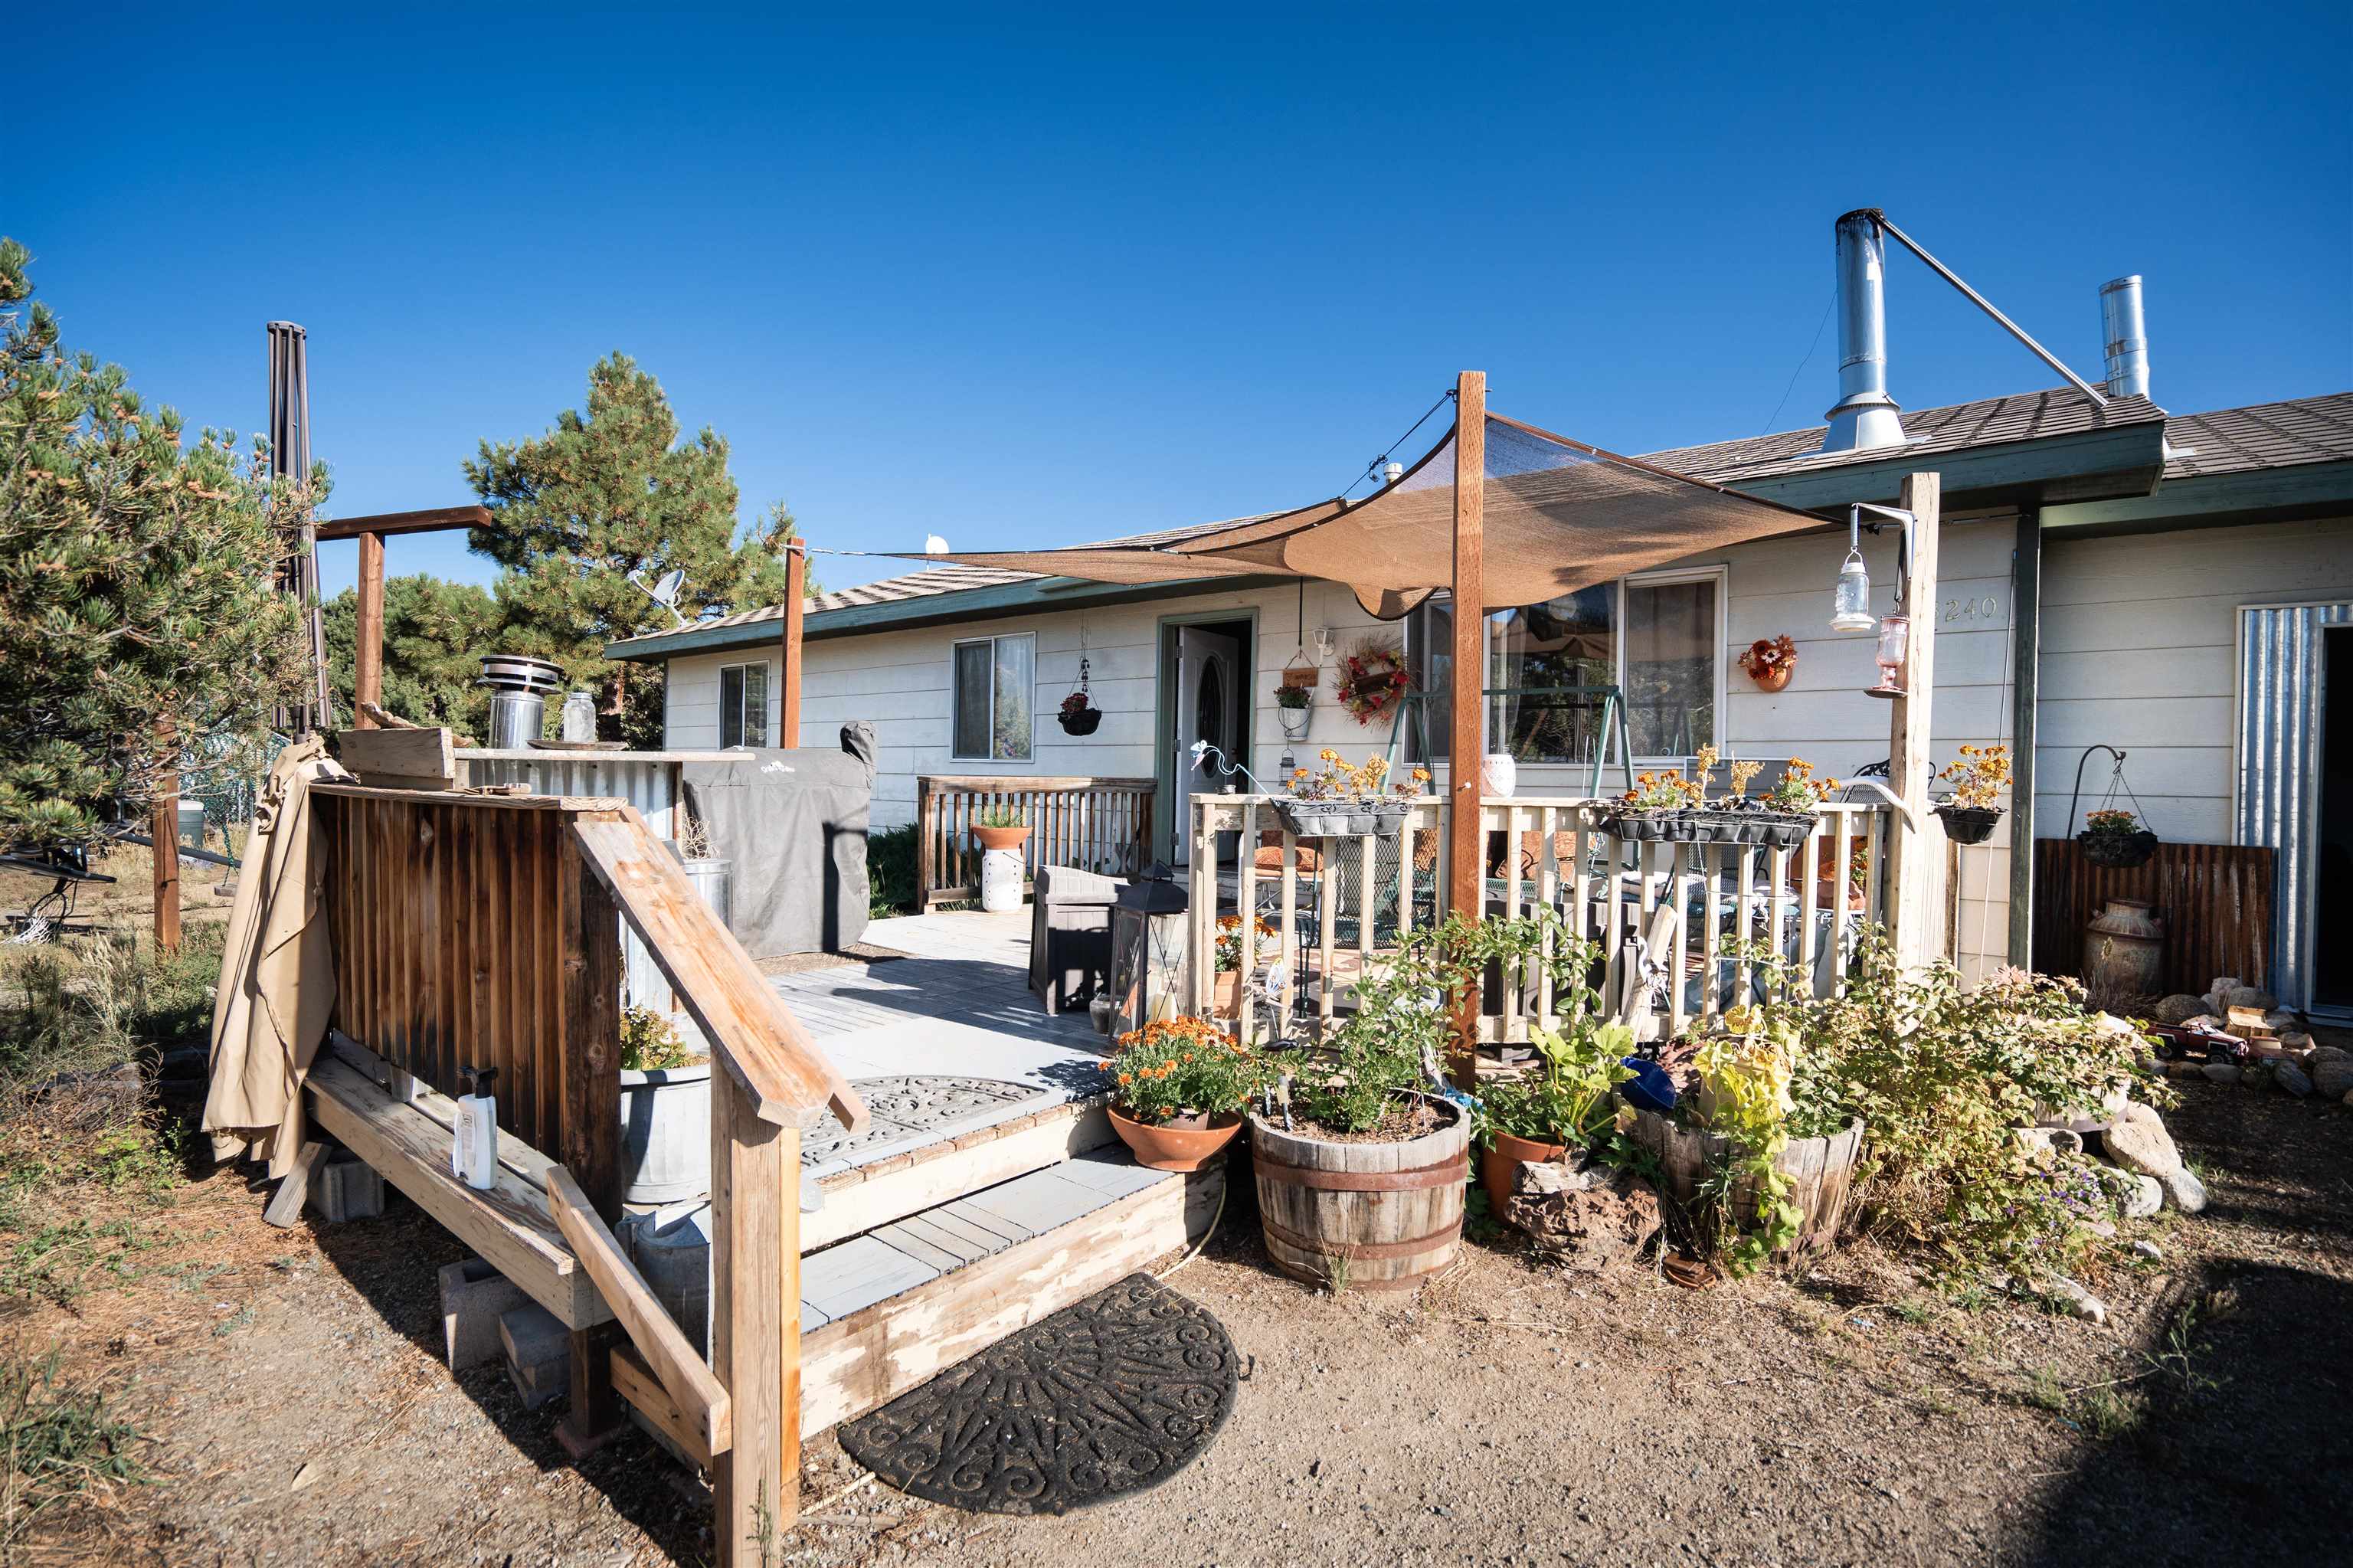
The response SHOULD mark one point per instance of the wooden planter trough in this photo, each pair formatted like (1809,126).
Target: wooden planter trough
(1366,1216)
(1821,1171)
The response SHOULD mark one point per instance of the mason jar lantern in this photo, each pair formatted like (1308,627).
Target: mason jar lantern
(1149,922)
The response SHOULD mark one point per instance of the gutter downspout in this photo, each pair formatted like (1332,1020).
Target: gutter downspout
(2026,641)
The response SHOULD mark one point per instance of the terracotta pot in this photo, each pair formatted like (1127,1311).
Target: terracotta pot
(1500,1163)
(1001,838)
(1174,1145)
(1775,676)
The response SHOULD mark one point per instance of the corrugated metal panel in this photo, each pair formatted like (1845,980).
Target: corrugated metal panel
(2279,764)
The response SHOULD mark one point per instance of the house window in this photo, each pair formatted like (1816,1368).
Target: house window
(743,704)
(994,693)
(1657,638)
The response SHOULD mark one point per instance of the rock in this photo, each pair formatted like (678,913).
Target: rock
(2141,1196)
(2295,1040)
(1591,1228)
(2187,1192)
(2329,1053)
(2050,1140)
(2203,1021)
(2148,1249)
(2249,996)
(2180,1007)
(2279,1021)
(1544,1178)
(2076,1299)
(2292,1078)
(2222,1072)
(2255,1074)
(2332,1077)
(2223,986)
(2137,1142)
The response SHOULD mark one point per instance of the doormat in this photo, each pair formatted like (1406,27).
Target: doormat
(1111,1396)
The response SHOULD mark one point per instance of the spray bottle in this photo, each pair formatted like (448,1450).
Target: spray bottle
(474,1141)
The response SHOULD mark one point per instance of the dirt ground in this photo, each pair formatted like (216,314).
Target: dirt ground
(296,1409)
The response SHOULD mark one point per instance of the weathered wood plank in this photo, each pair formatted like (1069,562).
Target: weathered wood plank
(285,1205)
(399,758)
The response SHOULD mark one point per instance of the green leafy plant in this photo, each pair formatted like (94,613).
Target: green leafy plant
(1184,1066)
(1744,1094)
(1797,791)
(1294,697)
(999,816)
(1570,1099)
(652,1043)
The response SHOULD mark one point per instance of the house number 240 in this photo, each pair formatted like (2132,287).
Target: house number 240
(1986,608)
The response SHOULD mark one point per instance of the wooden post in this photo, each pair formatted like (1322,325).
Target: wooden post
(163,828)
(1913,851)
(755,1323)
(925,806)
(367,651)
(796,587)
(588,936)
(1466,884)
(2026,653)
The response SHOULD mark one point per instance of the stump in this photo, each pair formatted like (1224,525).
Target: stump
(1821,1171)
(1366,1216)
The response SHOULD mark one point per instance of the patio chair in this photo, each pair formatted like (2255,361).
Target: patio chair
(1070,934)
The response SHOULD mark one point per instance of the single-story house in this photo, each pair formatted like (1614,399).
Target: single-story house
(2174,586)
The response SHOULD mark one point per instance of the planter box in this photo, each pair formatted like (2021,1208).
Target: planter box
(1372,1217)
(1341,819)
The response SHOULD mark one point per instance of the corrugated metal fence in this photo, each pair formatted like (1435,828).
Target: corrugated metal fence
(2215,901)
(2279,677)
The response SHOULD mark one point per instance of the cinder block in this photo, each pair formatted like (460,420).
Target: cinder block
(539,1353)
(473,1296)
(347,1188)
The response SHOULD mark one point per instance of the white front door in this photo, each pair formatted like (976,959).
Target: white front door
(1209,707)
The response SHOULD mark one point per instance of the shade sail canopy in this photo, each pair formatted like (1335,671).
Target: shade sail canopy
(1558,515)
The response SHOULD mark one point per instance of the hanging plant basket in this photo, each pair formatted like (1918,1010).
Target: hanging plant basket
(1079,721)
(1970,824)
(2121,850)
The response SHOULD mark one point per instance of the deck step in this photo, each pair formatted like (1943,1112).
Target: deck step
(865,1198)
(886,1311)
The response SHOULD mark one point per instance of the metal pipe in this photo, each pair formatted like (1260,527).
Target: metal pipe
(2125,331)
(1865,417)
(2020,333)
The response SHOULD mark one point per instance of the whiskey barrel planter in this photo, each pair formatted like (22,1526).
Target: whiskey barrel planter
(1821,1171)
(1372,1217)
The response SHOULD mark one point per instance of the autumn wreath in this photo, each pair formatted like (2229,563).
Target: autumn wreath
(1370,680)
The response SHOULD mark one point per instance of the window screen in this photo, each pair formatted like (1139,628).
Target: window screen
(973,679)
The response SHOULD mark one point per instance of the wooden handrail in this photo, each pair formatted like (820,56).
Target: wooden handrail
(751,1032)
(684,1376)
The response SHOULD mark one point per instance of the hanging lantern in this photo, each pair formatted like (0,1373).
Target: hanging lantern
(1894,638)
(1850,602)
(1148,926)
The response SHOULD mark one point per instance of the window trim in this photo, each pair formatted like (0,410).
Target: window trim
(764,668)
(990,644)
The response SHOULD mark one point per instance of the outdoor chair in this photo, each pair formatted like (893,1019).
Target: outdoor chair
(1070,934)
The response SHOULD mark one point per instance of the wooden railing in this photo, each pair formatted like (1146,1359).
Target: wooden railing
(2215,901)
(484,930)
(1094,824)
(1332,916)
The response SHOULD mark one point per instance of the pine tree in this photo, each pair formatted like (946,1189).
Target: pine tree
(602,494)
(434,633)
(134,587)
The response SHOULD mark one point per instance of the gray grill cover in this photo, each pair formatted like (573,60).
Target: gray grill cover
(794,824)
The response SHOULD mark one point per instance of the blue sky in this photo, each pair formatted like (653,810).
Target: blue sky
(1029,278)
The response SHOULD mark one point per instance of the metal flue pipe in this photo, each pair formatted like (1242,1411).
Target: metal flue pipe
(1865,417)
(2125,331)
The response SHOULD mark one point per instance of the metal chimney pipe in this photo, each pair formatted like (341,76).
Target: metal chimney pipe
(2126,331)
(1865,417)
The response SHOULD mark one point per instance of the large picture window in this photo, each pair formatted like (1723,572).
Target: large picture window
(743,704)
(1657,639)
(995,693)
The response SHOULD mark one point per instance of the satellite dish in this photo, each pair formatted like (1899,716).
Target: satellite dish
(934,545)
(664,592)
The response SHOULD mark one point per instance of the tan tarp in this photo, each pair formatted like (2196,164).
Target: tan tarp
(277,976)
(1556,516)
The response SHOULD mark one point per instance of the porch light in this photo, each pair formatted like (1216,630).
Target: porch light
(1895,637)
(1148,938)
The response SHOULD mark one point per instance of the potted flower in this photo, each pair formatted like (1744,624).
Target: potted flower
(1360,1167)
(999,828)
(1077,715)
(1293,704)
(1566,1103)
(1789,807)
(1182,1087)
(1371,680)
(1659,805)
(1345,798)
(665,1111)
(1979,776)
(1770,662)
(1266,944)
(2115,838)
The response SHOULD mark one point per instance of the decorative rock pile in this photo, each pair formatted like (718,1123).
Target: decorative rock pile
(2281,1054)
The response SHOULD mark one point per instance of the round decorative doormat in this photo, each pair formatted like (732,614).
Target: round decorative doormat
(1113,1395)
